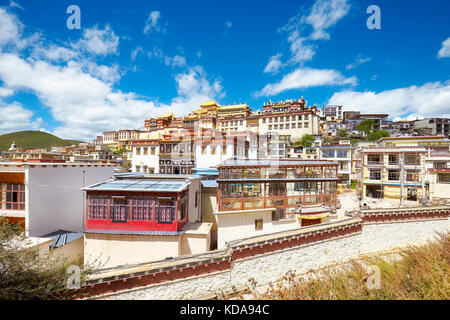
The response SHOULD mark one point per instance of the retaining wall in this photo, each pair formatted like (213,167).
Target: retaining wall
(267,258)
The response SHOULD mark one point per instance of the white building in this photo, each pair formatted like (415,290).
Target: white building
(46,197)
(341,153)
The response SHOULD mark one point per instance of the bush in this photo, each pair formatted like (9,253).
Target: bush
(25,275)
(420,273)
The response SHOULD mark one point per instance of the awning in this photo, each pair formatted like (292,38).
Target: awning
(314,216)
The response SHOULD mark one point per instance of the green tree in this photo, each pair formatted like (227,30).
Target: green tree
(307,140)
(366,126)
(342,133)
(378,134)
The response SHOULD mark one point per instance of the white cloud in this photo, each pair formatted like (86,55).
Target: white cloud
(5,92)
(358,61)
(429,100)
(10,27)
(86,106)
(13,4)
(136,52)
(153,23)
(274,64)
(325,14)
(79,92)
(14,117)
(54,53)
(445,50)
(98,41)
(177,61)
(306,78)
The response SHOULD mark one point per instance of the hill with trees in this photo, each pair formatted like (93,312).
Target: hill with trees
(33,139)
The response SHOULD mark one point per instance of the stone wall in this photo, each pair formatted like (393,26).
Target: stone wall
(273,265)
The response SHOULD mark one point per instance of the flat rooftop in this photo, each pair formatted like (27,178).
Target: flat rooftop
(54,164)
(138,185)
(155,176)
(272,162)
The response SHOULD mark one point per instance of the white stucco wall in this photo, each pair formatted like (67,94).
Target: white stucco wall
(53,197)
(272,266)
(242,225)
(116,250)
(149,160)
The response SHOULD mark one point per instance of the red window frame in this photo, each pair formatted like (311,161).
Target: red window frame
(12,196)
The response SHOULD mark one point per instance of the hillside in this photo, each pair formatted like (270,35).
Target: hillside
(32,139)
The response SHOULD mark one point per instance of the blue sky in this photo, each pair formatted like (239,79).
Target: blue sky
(134,59)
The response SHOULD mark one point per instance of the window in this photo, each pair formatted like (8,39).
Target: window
(142,209)
(440,165)
(153,150)
(393,159)
(393,175)
(119,209)
(258,224)
(12,196)
(306,124)
(373,159)
(196,199)
(327,153)
(224,149)
(203,149)
(145,151)
(213,150)
(231,190)
(253,190)
(412,159)
(341,153)
(412,175)
(138,151)
(166,210)
(375,174)
(182,207)
(299,125)
(444,178)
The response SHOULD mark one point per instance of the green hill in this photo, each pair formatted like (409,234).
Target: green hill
(33,139)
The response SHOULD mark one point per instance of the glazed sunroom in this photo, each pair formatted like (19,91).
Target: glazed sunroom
(286,185)
(136,206)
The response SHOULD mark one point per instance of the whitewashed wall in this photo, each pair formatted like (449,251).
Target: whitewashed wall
(273,266)
(53,197)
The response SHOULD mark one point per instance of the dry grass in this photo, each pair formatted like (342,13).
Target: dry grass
(417,273)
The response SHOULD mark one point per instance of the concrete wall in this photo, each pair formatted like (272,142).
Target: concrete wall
(438,190)
(194,212)
(272,266)
(115,250)
(242,225)
(53,197)
(194,243)
(71,251)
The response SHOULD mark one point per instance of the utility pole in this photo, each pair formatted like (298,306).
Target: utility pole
(424,197)
(401,178)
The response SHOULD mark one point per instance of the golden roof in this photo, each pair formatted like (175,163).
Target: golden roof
(234,106)
(166,115)
(209,103)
